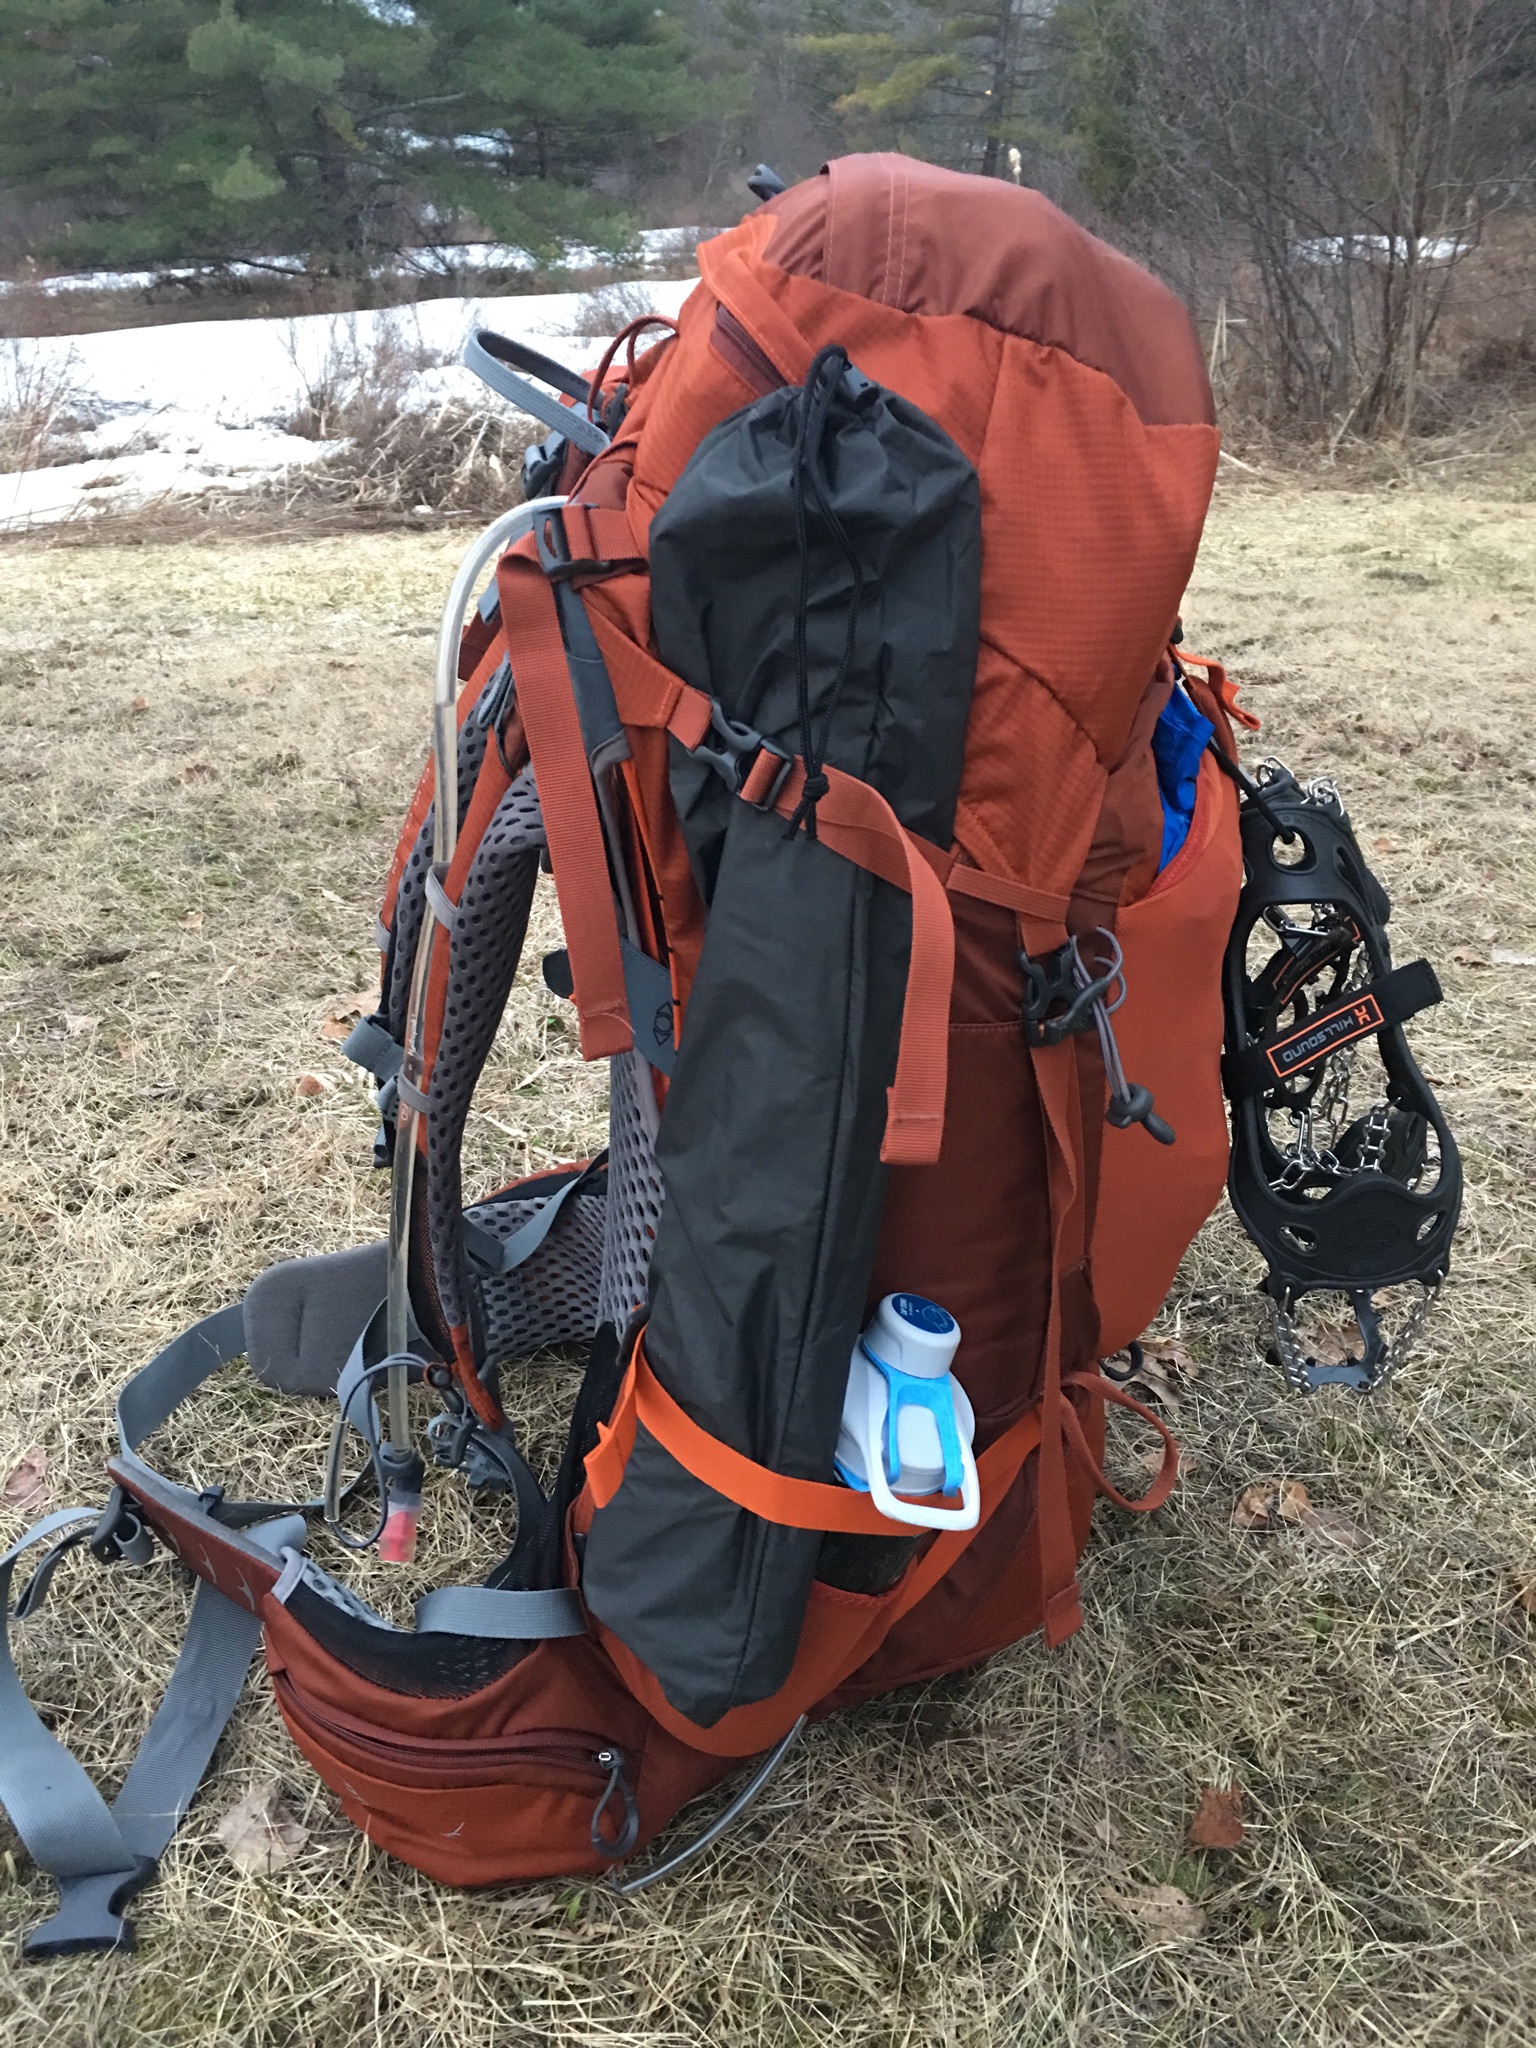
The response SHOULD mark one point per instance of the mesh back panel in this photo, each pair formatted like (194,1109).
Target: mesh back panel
(410,898)
(487,943)
(594,1266)
(552,1297)
(634,1188)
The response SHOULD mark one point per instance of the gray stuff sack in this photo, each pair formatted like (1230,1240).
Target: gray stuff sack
(840,505)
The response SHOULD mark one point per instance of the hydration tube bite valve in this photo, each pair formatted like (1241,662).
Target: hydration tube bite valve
(402,1472)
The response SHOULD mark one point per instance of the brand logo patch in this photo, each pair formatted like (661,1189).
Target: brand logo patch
(1324,1035)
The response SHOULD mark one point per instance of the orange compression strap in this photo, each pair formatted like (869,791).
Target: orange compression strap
(647,693)
(792,1503)
(577,852)
(1223,686)
(1005,893)
(1167,1472)
(583,540)
(1055,1070)
(857,822)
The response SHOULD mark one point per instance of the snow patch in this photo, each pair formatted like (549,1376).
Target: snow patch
(202,405)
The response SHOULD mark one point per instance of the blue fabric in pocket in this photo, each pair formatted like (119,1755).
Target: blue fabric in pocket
(1179,739)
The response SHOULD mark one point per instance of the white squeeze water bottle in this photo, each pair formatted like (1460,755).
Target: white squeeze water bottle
(907,1425)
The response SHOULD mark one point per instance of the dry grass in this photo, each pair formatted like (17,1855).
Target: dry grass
(940,1869)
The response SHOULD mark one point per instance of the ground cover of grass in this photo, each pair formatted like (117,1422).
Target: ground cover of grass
(204,751)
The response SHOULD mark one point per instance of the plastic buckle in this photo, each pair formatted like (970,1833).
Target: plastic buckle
(90,1916)
(741,748)
(553,543)
(450,1436)
(121,1535)
(1049,981)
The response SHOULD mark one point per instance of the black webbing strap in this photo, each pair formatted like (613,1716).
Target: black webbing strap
(1279,1058)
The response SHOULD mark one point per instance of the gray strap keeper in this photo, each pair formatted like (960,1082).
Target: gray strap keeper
(444,909)
(412,1096)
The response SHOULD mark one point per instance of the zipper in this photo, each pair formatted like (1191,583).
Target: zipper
(590,1755)
(577,1752)
(732,341)
(619,1844)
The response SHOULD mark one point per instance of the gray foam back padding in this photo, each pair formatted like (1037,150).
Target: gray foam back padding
(303,1317)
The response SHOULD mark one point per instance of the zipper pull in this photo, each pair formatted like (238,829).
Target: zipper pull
(612,1760)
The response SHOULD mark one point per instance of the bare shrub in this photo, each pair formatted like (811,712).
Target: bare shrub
(361,381)
(1330,163)
(43,411)
(602,313)
(395,457)
(453,459)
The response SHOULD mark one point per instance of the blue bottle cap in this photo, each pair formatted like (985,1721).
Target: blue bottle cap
(923,1314)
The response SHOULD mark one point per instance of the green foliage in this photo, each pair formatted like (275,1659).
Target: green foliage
(944,78)
(187,130)
(1098,53)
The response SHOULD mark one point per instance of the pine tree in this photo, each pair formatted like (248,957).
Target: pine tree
(205,130)
(947,79)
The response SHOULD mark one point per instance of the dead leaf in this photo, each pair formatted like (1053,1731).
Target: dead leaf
(1332,1526)
(1294,1503)
(1332,1343)
(1161,1911)
(1151,1460)
(78,1025)
(192,922)
(344,1012)
(1164,1373)
(261,1834)
(139,704)
(1270,1503)
(1463,956)
(1385,846)
(1522,1590)
(200,771)
(1253,1508)
(1504,957)
(27,1481)
(1218,1821)
(313,1084)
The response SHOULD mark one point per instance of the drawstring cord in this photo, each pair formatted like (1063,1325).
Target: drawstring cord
(821,382)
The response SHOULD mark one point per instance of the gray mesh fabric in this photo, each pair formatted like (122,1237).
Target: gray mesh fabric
(634,1188)
(552,1298)
(410,897)
(594,1265)
(486,944)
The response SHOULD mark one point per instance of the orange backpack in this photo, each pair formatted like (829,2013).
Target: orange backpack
(837,692)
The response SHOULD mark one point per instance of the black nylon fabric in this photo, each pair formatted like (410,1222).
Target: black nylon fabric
(770,1140)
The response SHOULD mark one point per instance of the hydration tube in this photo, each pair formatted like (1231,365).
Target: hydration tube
(403,1465)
